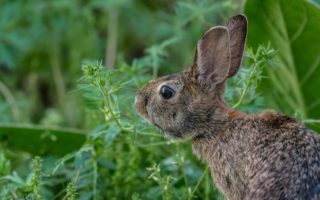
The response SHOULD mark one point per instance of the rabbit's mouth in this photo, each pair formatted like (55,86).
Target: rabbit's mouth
(158,126)
(170,133)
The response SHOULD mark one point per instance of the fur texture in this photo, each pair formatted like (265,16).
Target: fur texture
(251,156)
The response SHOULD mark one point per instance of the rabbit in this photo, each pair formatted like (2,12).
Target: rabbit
(265,155)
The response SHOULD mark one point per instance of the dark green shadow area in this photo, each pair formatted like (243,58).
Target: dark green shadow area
(39,140)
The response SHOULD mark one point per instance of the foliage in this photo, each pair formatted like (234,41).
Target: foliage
(49,140)
(45,42)
(109,152)
(242,90)
(34,183)
(291,28)
(119,139)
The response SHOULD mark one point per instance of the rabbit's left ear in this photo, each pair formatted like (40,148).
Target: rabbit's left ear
(237,27)
(212,59)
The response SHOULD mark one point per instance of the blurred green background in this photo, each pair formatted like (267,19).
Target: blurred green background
(69,70)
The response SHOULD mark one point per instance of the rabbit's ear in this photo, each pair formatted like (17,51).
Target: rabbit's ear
(212,59)
(237,27)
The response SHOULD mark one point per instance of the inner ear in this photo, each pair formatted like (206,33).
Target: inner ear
(213,55)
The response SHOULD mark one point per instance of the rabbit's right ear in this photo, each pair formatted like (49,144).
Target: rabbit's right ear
(237,26)
(212,59)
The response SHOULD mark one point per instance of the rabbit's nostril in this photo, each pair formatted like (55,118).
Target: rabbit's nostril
(146,99)
(141,104)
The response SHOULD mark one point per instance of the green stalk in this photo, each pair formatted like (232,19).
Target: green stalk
(247,85)
(95,179)
(107,103)
(198,183)
(11,101)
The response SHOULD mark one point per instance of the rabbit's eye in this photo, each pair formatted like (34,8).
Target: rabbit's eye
(167,92)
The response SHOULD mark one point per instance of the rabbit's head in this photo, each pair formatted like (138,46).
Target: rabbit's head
(186,104)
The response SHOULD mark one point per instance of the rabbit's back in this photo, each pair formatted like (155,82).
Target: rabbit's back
(264,157)
(285,161)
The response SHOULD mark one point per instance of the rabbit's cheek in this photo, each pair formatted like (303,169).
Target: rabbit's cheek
(155,114)
(159,116)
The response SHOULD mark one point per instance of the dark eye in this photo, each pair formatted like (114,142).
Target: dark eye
(167,92)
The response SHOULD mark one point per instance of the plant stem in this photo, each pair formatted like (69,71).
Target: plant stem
(181,163)
(247,85)
(107,103)
(207,187)
(57,76)
(111,45)
(95,178)
(11,100)
(311,121)
(200,180)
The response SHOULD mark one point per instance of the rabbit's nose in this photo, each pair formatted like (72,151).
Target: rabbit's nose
(140,105)
(135,100)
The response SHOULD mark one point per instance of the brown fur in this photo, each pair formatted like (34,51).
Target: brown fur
(268,115)
(235,114)
(251,156)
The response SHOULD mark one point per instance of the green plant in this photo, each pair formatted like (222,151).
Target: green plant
(35,181)
(110,162)
(242,90)
(164,182)
(109,149)
(291,27)
(71,191)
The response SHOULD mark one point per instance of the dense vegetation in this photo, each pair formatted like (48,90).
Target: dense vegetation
(69,71)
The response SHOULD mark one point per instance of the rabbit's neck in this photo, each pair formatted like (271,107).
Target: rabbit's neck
(226,156)
(207,137)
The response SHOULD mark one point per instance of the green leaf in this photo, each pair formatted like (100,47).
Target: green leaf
(41,140)
(112,132)
(293,28)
